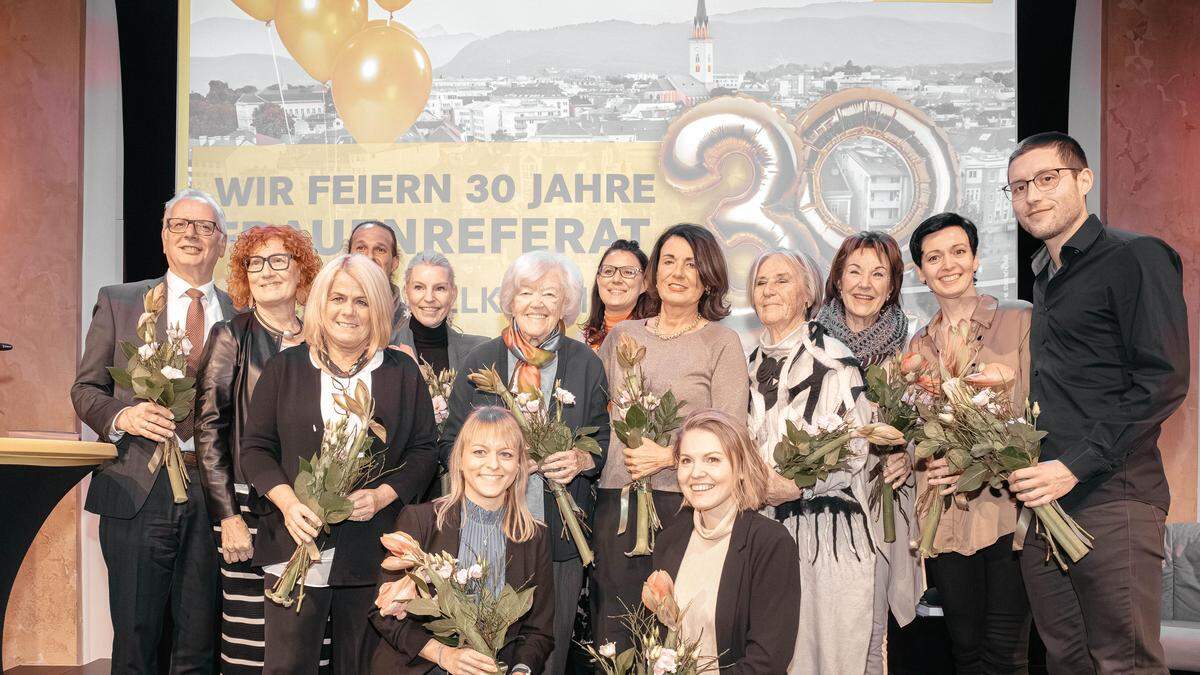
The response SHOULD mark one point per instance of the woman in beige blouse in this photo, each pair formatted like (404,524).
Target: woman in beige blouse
(690,353)
(976,570)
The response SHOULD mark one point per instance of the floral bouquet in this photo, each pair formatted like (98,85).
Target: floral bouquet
(641,415)
(460,607)
(974,428)
(439,383)
(809,453)
(157,373)
(546,434)
(342,464)
(890,388)
(653,653)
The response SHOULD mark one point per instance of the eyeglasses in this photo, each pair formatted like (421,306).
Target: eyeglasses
(607,272)
(279,262)
(1044,181)
(204,228)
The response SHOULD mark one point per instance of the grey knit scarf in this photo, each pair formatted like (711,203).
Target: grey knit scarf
(873,345)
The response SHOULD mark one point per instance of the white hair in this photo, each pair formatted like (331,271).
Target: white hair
(199,196)
(533,266)
(805,268)
(431,258)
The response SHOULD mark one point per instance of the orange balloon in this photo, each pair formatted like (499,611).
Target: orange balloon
(314,31)
(393,5)
(381,83)
(263,10)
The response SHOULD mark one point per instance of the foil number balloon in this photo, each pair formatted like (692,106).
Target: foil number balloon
(381,82)
(315,31)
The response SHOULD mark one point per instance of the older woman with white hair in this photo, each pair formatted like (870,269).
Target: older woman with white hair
(541,294)
(430,292)
(347,320)
(800,373)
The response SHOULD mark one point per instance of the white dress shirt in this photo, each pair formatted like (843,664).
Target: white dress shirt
(178,303)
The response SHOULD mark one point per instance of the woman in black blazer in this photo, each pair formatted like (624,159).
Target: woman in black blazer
(749,619)
(540,294)
(347,323)
(270,270)
(484,515)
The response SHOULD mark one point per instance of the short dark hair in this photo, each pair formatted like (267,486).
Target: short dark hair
(940,222)
(595,319)
(378,223)
(710,265)
(1069,150)
(884,246)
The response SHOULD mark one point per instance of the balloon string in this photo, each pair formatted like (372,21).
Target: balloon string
(287,126)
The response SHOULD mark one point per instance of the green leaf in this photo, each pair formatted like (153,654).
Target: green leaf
(120,377)
(441,627)
(588,444)
(337,508)
(972,478)
(927,448)
(184,383)
(306,466)
(128,349)
(423,607)
(635,418)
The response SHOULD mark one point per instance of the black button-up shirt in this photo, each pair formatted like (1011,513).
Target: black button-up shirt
(1109,351)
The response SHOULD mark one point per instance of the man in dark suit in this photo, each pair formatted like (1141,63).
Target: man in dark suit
(158,553)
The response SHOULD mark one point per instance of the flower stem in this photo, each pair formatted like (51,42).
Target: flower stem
(888,504)
(568,508)
(645,504)
(929,525)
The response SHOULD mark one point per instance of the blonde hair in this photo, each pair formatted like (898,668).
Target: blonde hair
(492,423)
(375,287)
(752,473)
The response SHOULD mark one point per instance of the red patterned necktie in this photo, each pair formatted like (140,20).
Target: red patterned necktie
(194,329)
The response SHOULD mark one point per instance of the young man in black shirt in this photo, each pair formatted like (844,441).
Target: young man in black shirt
(1109,351)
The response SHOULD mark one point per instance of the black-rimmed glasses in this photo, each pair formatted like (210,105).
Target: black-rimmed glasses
(608,271)
(278,262)
(204,228)
(1044,181)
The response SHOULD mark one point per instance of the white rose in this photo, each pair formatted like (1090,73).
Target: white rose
(146,351)
(665,662)
(982,398)
(444,570)
(440,409)
(533,405)
(828,422)
(186,346)
(171,373)
(175,332)
(608,650)
(461,577)
(564,397)
(476,571)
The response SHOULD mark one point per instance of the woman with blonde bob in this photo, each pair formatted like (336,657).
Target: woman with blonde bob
(484,516)
(750,618)
(346,327)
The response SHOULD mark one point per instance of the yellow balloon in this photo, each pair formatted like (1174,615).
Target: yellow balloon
(393,5)
(381,83)
(314,31)
(263,10)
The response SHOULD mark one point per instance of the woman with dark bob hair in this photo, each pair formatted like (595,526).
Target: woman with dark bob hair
(270,272)
(862,311)
(688,352)
(618,292)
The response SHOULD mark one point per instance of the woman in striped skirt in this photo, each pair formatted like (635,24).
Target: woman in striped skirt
(271,269)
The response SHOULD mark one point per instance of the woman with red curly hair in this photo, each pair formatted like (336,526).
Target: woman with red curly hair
(270,272)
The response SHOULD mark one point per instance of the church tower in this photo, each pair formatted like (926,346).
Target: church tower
(700,47)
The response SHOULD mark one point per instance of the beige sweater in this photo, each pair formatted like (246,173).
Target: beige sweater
(705,369)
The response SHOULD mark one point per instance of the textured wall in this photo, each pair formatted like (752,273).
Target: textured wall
(41,77)
(1151,141)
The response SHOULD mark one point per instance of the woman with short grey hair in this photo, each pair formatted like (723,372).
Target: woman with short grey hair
(541,294)
(430,294)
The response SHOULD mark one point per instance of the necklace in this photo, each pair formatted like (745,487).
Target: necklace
(285,334)
(336,370)
(686,329)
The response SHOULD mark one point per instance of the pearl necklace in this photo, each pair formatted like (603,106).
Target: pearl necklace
(683,331)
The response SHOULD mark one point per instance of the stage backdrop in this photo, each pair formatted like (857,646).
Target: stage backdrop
(486,129)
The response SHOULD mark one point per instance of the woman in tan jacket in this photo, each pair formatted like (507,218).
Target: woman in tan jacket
(976,570)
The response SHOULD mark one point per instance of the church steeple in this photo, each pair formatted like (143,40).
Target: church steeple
(700,23)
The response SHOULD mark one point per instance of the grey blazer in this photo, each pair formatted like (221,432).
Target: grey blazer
(459,344)
(119,488)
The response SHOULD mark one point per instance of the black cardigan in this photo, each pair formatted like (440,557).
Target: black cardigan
(581,373)
(234,357)
(758,597)
(530,638)
(285,425)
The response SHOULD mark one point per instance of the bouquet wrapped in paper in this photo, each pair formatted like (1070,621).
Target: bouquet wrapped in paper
(655,653)
(157,373)
(343,464)
(439,383)
(452,597)
(974,428)
(546,435)
(640,414)
(808,453)
(890,387)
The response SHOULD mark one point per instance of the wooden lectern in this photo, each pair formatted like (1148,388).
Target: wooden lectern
(35,474)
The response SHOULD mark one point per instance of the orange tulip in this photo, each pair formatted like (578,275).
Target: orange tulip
(394,596)
(658,595)
(910,362)
(991,376)
(404,550)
